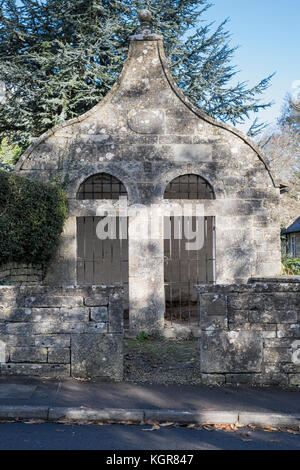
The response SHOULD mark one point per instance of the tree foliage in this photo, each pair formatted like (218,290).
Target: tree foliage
(282,147)
(58,58)
(290,117)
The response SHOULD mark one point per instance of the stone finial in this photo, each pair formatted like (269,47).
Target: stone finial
(145,17)
(145,32)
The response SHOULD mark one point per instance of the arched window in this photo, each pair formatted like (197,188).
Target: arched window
(101,186)
(189,187)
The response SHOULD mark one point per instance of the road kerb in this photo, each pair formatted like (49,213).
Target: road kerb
(92,414)
(24,412)
(268,419)
(138,416)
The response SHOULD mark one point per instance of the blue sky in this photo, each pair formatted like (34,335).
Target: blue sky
(268,33)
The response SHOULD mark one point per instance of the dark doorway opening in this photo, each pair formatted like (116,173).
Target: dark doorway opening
(102,258)
(187,261)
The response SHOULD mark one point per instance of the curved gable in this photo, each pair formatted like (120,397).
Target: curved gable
(144,107)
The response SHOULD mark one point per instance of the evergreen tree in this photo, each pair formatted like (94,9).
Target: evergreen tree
(58,58)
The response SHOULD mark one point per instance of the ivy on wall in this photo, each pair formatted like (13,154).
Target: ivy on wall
(32,215)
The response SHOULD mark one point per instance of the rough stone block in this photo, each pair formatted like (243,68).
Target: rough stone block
(264,302)
(278,342)
(238,316)
(213,304)
(52,328)
(231,352)
(29,314)
(99,314)
(28,354)
(49,300)
(239,379)
(57,341)
(288,331)
(290,368)
(273,316)
(269,334)
(295,379)
(95,355)
(267,269)
(273,378)
(277,355)
(262,327)
(59,356)
(40,370)
(96,300)
(62,314)
(115,313)
(19,341)
(210,322)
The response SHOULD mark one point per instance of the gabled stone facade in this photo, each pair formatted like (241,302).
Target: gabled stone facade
(146,133)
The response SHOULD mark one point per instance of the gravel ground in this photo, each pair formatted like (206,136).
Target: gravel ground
(162,361)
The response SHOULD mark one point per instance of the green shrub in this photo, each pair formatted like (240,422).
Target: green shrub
(291,266)
(143,336)
(32,216)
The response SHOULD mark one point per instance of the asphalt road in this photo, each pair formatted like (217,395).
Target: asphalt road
(49,436)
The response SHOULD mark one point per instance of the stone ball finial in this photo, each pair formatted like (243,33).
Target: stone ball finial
(145,17)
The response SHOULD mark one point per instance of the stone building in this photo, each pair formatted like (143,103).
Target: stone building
(293,239)
(161,198)
(147,142)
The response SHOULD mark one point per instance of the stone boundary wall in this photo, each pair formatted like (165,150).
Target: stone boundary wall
(21,274)
(61,331)
(250,334)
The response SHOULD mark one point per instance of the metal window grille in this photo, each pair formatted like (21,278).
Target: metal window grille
(101,186)
(189,187)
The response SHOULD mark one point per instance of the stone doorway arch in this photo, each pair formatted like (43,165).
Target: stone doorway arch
(102,241)
(189,247)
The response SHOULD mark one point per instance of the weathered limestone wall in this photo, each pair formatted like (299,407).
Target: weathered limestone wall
(61,331)
(21,274)
(251,333)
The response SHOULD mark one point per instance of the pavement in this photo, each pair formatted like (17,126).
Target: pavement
(25,398)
